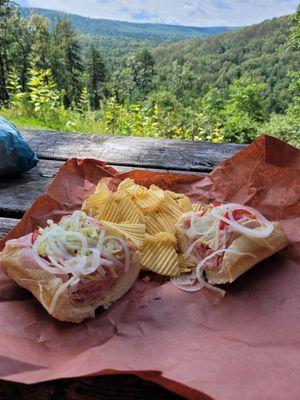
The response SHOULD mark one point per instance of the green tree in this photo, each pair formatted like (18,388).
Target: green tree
(42,42)
(294,37)
(181,80)
(66,61)
(96,77)
(6,39)
(144,71)
(245,108)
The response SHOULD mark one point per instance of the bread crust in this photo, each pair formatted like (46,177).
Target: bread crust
(233,265)
(43,285)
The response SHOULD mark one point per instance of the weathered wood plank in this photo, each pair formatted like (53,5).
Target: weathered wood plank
(18,193)
(6,224)
(131,151)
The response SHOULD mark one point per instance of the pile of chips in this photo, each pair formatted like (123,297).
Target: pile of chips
(146,217)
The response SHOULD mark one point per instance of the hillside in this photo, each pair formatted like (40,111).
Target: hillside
(258,50)
(121,29)
(116,39)
(228,87)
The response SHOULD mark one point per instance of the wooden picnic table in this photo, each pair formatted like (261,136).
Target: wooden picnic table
(123,153)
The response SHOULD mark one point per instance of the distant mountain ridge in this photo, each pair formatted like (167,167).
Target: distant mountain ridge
(130,30)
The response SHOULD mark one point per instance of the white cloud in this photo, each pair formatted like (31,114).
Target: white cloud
(184,12)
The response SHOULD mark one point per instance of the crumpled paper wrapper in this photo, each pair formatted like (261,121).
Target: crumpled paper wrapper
(200,345)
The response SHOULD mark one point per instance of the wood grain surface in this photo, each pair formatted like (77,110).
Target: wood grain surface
(131,151)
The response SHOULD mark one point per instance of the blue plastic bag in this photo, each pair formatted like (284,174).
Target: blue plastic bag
(15,154)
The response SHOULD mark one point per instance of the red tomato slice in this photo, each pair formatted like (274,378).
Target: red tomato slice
(217,203)
(237,214)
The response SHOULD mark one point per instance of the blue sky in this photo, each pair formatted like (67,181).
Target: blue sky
(181,12)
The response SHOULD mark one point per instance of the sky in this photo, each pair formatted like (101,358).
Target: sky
(175,12)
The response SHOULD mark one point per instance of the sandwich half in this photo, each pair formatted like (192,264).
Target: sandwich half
(72,267)
(224,241)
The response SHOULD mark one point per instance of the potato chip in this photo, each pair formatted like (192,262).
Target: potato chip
(160,193)
(160,257)
(171,207)
(101,187)
(135,233)
(184,204)
(166,221)
(161,237)
(198,207)
(147,200)
(130,212)
(152,225)
(174,195)
(147,218)
(117,208)
(128,185)
(110,210)
(95,200)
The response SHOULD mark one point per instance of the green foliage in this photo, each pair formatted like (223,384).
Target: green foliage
(134,80)
(42,93)
(96,77)
(67,63)
(294,37)
(17,96)
(224,88)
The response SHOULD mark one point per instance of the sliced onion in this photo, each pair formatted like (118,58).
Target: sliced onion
(95,258)
(59,240)
(212,255)
(191,248)
(193,287)
(125,248)
(58,293)
(183,217)
(265,231)
(43,263)
(199,274)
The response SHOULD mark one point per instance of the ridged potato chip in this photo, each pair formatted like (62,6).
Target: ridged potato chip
(128,185)
(184,204)
(166,221)
(152,224)
(174,195)
(160,256)
(147,218)
(198,207)
(101,187)
(147,200)
(161,237)
(95,200)
(135,233)
(119,208)
(171,207)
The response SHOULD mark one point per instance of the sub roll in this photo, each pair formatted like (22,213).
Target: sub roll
(224,241)
(72,267)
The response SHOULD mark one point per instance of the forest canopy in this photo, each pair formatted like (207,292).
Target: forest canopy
(228,87)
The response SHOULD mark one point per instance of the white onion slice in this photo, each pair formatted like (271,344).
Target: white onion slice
(60,242)
(43,263)
(186,288)
(125,248)
(58,293)
(199,275)
(265,231)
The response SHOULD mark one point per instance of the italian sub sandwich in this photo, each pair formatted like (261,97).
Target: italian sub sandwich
(72,267)
(224,241)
